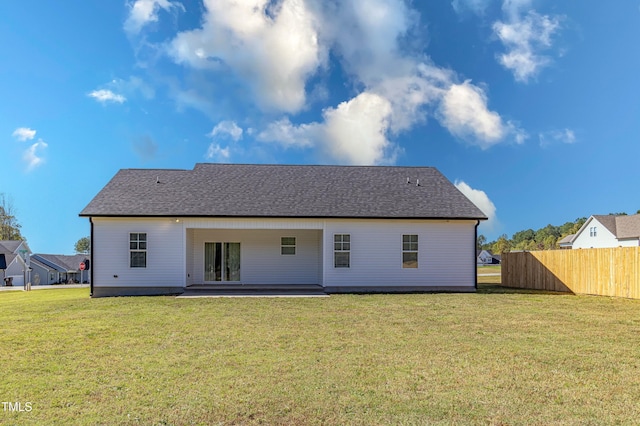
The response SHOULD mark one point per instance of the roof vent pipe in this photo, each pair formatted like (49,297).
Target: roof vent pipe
(417,182)
(408,180)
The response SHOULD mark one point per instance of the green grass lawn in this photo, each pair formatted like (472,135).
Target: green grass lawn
(489,269)
(499,356)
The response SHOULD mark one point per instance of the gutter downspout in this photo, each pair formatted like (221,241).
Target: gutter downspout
(475,268)
(91,258)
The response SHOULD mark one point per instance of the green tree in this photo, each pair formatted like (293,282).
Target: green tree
(578,224)
(9,226)
(83,245)
(480,242)
(503,245)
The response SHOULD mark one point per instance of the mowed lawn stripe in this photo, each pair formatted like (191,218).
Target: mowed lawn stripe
(494,357)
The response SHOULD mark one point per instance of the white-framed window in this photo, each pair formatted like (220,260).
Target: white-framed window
(410,251)
(288,245)
(593,231)
(138,250)
(342,250)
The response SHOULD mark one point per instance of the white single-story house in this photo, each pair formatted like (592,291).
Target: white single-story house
(343,228)
(15,252)
(485,257)
(602,231)
(58,269)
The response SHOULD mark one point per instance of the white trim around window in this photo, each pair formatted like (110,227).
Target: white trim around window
(137,249)
(410,251)
(287,246)
(342,250)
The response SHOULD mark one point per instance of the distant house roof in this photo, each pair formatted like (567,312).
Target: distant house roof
(567,240)
(628,226)
(243,190)
(9,246)
(622,226)
(60,262)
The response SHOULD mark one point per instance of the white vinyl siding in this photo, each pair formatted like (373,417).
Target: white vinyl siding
(446,253)
(175,251)
(603,237)
(165,253)
(261,259)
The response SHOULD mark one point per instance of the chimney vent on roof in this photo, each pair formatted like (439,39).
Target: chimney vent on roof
(408,180)
(157,179)
(417,182)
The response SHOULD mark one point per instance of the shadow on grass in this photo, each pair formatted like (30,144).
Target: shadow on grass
(500,289)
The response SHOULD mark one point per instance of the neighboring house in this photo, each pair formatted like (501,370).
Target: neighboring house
(600,231)
(58,269)
(566,242)
(485,257)
(15,253)
(345,228)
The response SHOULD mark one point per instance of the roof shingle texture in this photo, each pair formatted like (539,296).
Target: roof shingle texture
(622,226)
(628,226)
(242,190)
(60,262)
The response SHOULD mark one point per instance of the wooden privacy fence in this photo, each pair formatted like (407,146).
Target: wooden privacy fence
(604,272)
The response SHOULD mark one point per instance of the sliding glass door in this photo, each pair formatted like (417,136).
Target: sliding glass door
(222,262)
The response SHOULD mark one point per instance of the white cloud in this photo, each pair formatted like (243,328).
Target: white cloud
(399,91)
(353,133)
(131,86)
(288,135)
(144,11)
(567,136)
(24,134)
(227,128)
(476,6)
(465,114)
(105,96)
(31,155)
(217,153)
(482,201)
(271,50)
(524,38)
(274,47)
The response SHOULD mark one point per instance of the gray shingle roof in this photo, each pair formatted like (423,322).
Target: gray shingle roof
(9,246)
(60,262)
(242,190)
(628,226)
(567,239)
(622,226)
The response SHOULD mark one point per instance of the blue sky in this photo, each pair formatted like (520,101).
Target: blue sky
(531,107)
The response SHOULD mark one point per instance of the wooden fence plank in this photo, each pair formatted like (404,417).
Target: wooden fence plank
(604,272)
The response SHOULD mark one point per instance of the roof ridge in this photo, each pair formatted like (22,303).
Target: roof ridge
(310,165)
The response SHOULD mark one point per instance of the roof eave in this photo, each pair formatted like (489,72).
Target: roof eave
(283,217)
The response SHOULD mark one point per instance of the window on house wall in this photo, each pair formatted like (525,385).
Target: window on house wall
(593,231)
(342,251)
(138,250)
(409,251)
(287,245)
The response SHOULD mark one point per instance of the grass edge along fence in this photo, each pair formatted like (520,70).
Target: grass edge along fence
(603,271)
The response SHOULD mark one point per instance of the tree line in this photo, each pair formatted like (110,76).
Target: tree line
(545,238)
(9,226)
